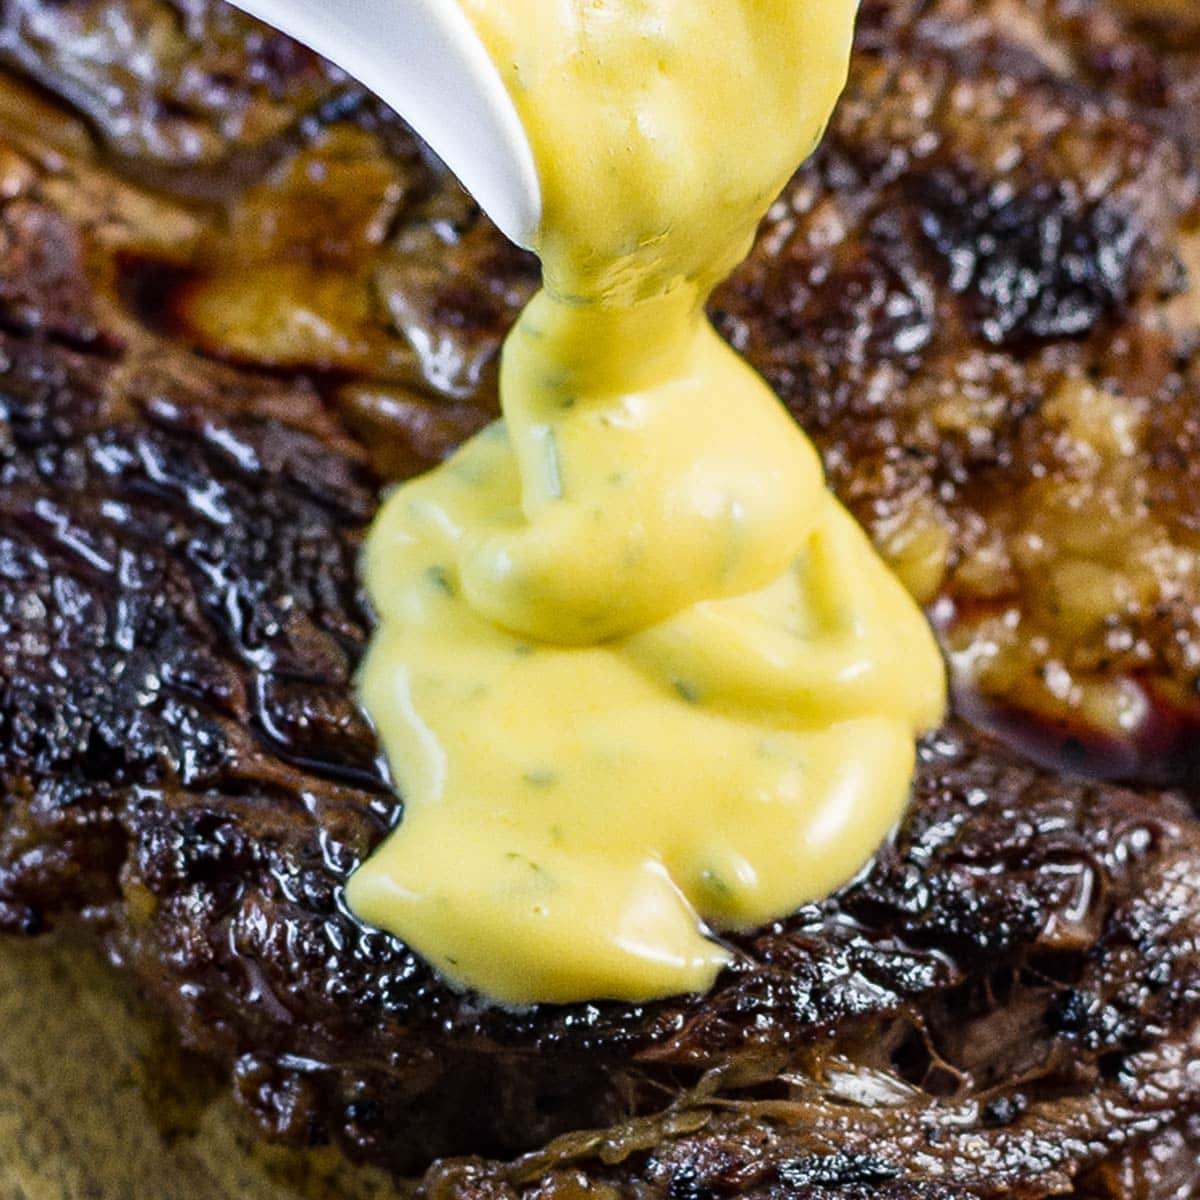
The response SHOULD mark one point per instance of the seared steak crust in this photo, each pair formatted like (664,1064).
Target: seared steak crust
(980,298)
(976,298)
(185,767)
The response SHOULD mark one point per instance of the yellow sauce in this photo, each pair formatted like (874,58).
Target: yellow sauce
(638,675)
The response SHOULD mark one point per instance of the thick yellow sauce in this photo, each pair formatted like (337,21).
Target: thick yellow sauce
(638,675)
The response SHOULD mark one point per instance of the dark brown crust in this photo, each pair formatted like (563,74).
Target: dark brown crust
(979,298)
(180,625)
(1005,1002)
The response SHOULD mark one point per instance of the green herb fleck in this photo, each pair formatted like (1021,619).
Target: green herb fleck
(688,691)
(541,777)
(538,878)
(553,481)
(714,884)
(440,578)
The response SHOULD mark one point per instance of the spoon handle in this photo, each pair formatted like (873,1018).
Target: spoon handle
(424,59)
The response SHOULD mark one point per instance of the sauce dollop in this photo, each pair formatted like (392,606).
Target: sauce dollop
(638,675)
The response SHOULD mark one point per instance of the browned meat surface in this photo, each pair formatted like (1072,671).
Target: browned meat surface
(187,89)
(979,298)
(1010,992)
(234,295)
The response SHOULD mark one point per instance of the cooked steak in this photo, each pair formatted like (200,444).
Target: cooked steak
(981,299)
(978,298)
(185,767)
(1010,991)
(220,291)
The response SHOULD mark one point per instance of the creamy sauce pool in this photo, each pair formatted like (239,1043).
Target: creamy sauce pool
(637,673)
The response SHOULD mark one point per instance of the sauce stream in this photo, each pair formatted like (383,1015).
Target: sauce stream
(639,676)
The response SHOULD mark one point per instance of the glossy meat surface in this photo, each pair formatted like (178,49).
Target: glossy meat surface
(977,298)
(185,766)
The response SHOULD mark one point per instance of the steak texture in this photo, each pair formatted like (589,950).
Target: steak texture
(237,298)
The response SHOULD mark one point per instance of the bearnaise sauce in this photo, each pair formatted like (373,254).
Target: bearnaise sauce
(639,676)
